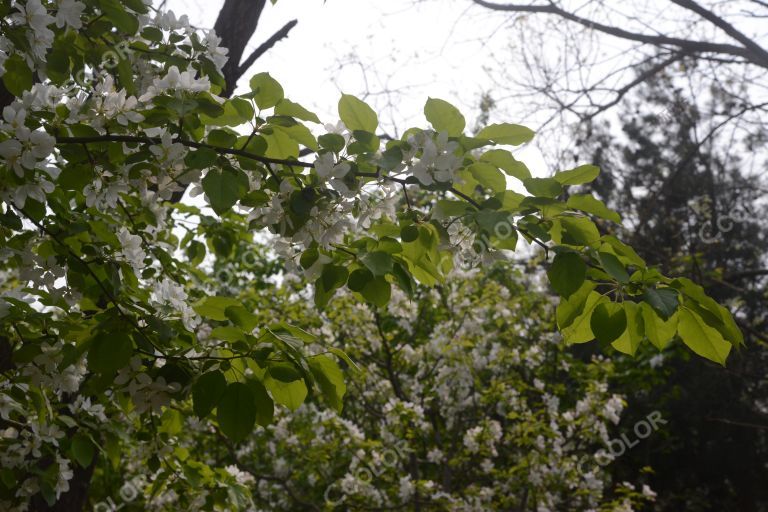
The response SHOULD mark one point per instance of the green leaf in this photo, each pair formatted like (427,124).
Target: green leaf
(579,231)
(235,112)
(580,330)
(109,352)
(201,158)
(358,279)
(663,300)
(281,145)
(344,357)
(242,318)
(334,276)
(171,422)
(444,117)
(214,308)
(18,76)
(391,158)
(506,133)
(567,273)
(488,176)
(284,372)
(623,250)
(300,134)
(506,162)
(571,307)
(357,115)
(704,340)
(588,203)
(378,262)
(289,394)
(543,187)
(330,380)
(224,188)
(288,108)
(608,322)
(633,335)
(266,90)
(221,138)
(332,142)
(207,391)
(407,234)
(722,320)
(228,333)
(82,449)
(658,331)
(117,14)
(377,291)
(446,208)
(613,266)
(579,175)
(265,407)
(236,411)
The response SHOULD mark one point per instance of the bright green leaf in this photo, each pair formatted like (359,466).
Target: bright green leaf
(587,203)
(579,175)
(357,115)
(444,117)
(267,91)
(506,133)
(701,338)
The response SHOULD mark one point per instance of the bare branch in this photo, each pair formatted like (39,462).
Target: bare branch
(729,29)
(266,45)
(685,45)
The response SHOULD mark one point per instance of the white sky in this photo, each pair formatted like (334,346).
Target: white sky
(420,49)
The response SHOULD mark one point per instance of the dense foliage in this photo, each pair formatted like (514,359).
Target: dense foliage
(115,332)
(696,209)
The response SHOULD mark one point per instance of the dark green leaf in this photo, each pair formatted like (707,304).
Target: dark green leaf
(567,273)
(614,267)
(83,450)
(377,262)
(18,76)
(543,187)
(109,352)
(608,322)
(663,300)
(236,411)
(224,188)
(207,391)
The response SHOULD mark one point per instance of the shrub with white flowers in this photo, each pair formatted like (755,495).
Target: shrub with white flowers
(110,304)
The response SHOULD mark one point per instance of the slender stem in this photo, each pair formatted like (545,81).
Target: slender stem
(101,285)
(188,143)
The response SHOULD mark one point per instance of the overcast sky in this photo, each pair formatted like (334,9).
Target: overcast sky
(416,49)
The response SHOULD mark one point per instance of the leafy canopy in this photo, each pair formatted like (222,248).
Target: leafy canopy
(110,283)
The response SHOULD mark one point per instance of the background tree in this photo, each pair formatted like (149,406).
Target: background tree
(110,311)
(692,209)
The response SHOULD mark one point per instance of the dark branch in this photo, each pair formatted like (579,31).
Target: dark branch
(642,77)
(685,45)
(266,45)
(235,26)
(188,143)
(750,44)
